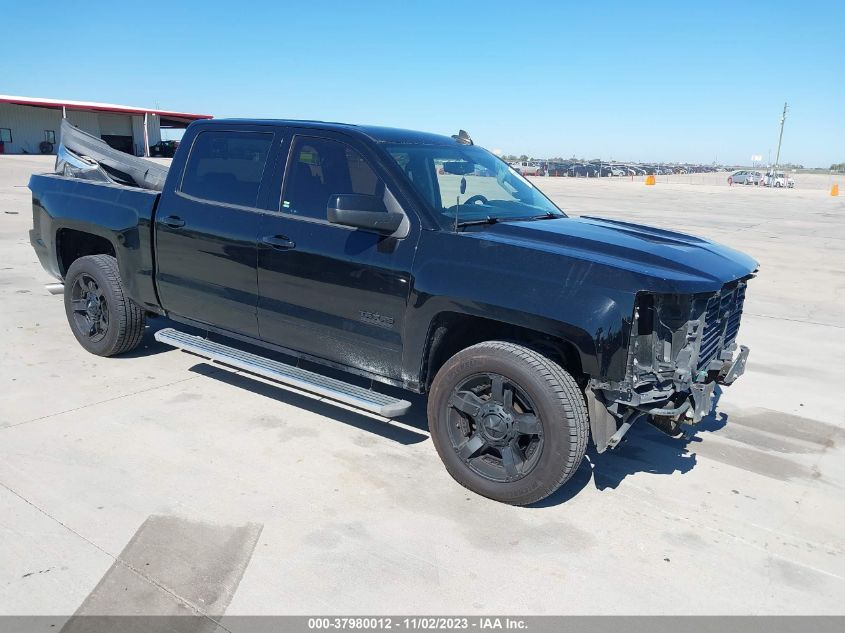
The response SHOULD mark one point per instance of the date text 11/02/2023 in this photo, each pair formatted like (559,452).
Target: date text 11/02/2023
(417,623)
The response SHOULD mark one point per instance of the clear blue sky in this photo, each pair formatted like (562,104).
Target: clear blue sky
(691,81)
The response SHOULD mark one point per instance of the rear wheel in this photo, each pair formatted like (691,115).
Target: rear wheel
(102,318)
(509,423)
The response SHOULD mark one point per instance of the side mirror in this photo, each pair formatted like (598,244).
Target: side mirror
(362,212)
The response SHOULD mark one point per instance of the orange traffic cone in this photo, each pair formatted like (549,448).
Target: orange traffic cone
(834,190)
(649,180)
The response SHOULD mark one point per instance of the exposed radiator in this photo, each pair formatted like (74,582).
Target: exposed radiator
(721,322)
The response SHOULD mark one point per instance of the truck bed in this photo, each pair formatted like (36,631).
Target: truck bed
(120,214)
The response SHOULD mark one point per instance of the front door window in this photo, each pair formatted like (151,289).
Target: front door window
(320,168)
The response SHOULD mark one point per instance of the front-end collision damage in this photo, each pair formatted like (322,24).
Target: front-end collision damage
(680,347)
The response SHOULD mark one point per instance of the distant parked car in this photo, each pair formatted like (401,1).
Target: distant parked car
(165,149)
(756,178)
(559,169)
(528,167)
(602,170)
(578,170)
(778,179)
(745,177)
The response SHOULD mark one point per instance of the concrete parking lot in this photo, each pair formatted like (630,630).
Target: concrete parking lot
(156,482)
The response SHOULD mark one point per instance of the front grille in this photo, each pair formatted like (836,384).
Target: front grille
(721,322)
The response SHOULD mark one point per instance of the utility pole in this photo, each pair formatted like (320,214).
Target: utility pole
(780,139)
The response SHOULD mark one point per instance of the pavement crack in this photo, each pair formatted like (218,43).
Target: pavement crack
(780,318)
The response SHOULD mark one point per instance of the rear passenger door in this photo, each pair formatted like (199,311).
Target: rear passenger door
(206,229)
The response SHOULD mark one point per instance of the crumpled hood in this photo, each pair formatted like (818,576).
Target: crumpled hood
(672,261)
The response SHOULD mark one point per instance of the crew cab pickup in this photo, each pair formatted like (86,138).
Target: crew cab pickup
(416,260)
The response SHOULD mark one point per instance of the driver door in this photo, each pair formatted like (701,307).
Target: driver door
(328,290)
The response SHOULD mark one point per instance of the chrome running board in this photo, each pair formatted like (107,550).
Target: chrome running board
(337,390)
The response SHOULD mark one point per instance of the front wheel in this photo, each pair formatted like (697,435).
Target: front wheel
(509,423)
(103,319)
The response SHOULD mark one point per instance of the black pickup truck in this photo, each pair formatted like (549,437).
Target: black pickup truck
(417,260)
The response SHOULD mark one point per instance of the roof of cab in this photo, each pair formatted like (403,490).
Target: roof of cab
(373,132)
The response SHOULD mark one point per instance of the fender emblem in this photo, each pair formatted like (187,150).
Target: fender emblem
(376,319)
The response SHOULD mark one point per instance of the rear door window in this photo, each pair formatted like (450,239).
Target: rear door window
(227,166)
(319,168)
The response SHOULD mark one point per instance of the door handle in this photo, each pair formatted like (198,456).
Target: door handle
(173,221)
(279,242)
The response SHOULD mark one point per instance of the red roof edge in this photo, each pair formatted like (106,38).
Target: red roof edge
(52,103)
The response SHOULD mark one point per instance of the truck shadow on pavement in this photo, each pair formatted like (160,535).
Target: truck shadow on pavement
(644,449)
(376,425)
(416,418)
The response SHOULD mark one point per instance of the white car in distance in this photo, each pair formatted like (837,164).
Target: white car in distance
(778,179)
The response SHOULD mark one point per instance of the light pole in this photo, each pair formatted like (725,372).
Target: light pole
(780,138)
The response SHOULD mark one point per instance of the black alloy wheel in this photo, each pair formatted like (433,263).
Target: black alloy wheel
(494,427)
(104,320)
(90,308)
(508,422)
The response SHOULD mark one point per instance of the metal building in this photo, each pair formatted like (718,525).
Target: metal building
(29,125)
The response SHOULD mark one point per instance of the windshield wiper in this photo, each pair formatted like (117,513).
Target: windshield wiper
(494,220)
(529,218)
(488,220)
(546,216)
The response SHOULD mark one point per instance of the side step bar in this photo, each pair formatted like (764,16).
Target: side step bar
(337,390)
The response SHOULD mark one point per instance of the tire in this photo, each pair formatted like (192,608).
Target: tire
(475,443)
(102,318)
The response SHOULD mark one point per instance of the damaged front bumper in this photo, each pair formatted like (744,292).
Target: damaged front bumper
(681,348)
(702,395)
(736,368)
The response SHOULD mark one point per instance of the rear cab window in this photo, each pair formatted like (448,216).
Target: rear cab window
(226,166)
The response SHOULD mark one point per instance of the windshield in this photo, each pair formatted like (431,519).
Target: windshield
(471,183)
